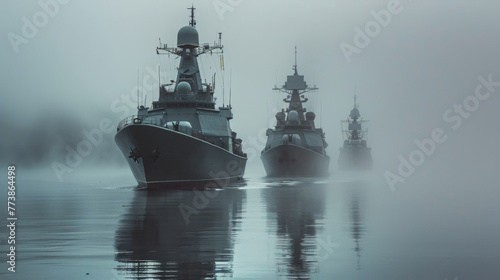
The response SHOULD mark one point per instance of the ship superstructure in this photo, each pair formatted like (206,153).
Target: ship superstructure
(184,138)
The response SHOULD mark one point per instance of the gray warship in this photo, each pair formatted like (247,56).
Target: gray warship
(295,147)
(354,155)
(184,139)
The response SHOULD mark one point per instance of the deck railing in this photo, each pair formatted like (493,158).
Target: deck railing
(135,119)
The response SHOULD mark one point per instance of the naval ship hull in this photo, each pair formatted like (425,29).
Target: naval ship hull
(355,158)
(294,161)
(160,157)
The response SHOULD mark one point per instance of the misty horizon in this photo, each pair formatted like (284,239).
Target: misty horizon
(424,60)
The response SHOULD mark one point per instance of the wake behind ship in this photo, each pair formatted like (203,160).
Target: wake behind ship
(184,139)
(295,147)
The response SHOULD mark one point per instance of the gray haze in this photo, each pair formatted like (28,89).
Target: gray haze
(428,57)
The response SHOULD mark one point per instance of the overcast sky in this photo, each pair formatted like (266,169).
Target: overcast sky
(83,56)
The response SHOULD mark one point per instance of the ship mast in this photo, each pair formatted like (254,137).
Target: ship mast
(295,65)
(354,129)
(192,22)
(295,87)
(188,87)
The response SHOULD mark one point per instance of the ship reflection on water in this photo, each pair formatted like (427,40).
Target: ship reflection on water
(297,211)
(174,234)
(346,228)
(156,241)
(355,198)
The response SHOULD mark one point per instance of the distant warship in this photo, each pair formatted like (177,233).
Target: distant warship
(295,147)
(184,139)
(354,154)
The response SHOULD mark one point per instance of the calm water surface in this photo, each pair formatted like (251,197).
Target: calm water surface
(348,226)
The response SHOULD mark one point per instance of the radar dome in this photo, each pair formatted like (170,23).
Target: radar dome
(187,37)
(280,116)
(183,88)
(293,116)
(310,116)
